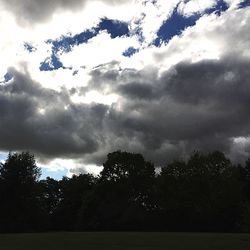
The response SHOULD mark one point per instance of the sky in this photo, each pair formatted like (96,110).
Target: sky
(80,79)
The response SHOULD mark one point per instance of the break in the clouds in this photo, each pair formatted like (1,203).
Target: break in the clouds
(79,79)
(66,43)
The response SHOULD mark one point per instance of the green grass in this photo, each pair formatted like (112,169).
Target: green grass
(125,241)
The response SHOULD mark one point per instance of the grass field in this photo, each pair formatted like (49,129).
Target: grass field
(125,241)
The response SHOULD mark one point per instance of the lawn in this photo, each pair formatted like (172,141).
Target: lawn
(125,241)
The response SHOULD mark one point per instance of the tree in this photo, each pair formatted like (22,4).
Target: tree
(50,196)
(203,193)
(128,167)
(122,195)
(72,194)
(19,193)
(244,172)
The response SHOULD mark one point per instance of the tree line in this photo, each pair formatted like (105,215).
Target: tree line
(204,193)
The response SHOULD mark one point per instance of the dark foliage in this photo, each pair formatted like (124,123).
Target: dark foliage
(205,193)
(19,208)
(121,198)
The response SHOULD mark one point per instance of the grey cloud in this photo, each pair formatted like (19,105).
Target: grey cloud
(131,83)
(192,106)
(138,90)
(224,81)
(77,171)
(229,33)
(30,12)
(45,121)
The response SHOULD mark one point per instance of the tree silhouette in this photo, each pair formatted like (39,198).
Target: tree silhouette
(122,194)
(19,204)
(204,193)
(73,192)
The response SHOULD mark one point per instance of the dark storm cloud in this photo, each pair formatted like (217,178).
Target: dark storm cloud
(223,81)
(45,121)
(35,11)
(128,82)
(138,90)
(192,106)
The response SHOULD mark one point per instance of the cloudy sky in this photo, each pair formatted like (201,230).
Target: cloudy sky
(81,78)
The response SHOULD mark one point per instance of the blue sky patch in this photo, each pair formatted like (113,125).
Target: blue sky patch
(3,157)
(45,172)
(57,175)
(221,6)
(66,43)
(7,77)
(114,28)
(52,63)
(173,26)
(130,51)
(177,23)
(29,47)
(244,4)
